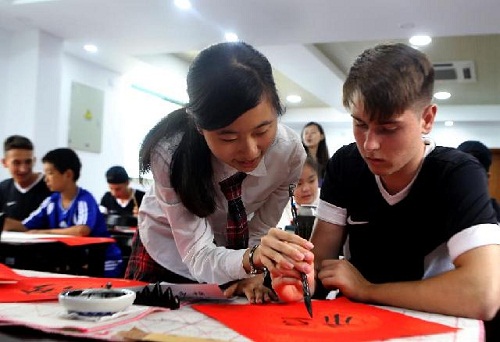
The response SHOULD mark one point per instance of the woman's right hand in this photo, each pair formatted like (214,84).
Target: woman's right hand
(286,256)
(282,250)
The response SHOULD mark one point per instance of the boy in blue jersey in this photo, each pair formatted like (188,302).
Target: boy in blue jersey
(70,210)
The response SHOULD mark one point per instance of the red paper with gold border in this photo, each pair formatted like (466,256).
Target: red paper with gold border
(334,320)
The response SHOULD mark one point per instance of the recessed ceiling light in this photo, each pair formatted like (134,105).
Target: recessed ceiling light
(231,37)
(442,95)
(420,40)
(183,4)
(90,48)
(448,123)
(294,99)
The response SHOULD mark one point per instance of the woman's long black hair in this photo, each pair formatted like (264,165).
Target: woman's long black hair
(223,82)
(322,154)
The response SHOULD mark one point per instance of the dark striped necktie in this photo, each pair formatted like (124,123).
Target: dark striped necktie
(237,225)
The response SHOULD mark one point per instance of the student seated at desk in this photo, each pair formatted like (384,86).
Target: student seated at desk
(306,192)
(121,199)
(483,154)
(314,141)
(26,190)
(70,210)
(423,234)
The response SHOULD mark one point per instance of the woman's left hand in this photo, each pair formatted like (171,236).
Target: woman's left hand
(253,288)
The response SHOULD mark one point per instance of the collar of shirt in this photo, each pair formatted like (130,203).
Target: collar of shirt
(223,171)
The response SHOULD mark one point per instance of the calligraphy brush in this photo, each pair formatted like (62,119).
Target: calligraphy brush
(303,276)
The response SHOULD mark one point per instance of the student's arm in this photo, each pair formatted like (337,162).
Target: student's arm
(78,230)
(13,225)
(327,239)
(472,289)
(285,254)
(41,221)
(36,219)
(193,237)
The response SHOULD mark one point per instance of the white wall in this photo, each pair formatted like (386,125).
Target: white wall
(35,101)
(127,116)
(338,125)
(4,57)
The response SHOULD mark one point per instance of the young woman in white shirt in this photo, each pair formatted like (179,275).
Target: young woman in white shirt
(230,125)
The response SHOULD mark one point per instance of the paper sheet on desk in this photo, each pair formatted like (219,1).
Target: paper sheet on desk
(50,317)
(334,320)
(20,237)
(70,240)
(31,289)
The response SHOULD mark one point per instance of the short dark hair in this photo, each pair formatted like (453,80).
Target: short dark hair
(17,142)
(64,159)
(389,79)
(478,150)
(117,175)
(226,80)
(311,162)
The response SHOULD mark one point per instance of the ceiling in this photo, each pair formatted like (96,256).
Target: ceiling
(311,44)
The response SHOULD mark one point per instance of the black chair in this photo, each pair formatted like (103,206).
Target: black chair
(123,239)
(2,220)
(113,220)
(492,329)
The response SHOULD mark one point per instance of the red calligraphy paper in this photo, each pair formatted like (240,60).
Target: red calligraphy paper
(8,275)
(80,240)
(32,289)
(334,320)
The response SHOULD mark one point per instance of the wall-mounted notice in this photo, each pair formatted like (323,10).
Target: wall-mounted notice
(86,118)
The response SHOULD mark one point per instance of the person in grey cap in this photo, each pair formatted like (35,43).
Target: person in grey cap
(483,155)
(121,199)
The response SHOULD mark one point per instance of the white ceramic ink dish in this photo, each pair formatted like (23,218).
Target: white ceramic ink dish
(96,302)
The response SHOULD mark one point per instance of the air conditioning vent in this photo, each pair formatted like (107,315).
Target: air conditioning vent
(458,71)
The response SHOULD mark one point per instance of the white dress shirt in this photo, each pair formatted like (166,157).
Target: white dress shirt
(184,243)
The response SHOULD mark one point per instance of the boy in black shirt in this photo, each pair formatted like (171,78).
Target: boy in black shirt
(483,154)
(26,190)
(121,199)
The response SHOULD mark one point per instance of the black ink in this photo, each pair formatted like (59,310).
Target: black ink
(44,288)
(336,321)
(295,321)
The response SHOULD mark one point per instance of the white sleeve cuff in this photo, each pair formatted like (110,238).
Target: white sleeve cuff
(331,213)
(475,236)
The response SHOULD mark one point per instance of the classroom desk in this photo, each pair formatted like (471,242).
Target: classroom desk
(188,322)
(39,253)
